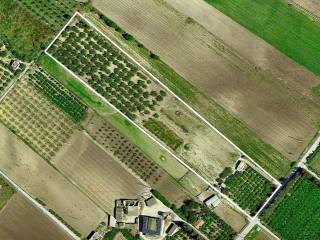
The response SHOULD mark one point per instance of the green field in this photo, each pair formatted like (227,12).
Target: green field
(281,25)
(249,189)
(165,134)
(296,213)
(23,34)
(6,191)
(264,154)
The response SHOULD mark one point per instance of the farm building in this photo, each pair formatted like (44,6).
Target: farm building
(150,226)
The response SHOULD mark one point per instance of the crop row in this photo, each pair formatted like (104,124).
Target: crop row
(59,95)
(296,213)
(34,119)
(107,70)
(113,142)
(248,188)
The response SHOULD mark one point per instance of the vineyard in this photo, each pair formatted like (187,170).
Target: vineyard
(296,212)
(53,12)
(7,71)
(108,71)
(59,95)
(248,188)
(32,117)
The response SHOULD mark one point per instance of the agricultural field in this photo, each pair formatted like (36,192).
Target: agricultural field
(248,188)
(6,192)
(129,89)
(31,116)
(59,95)
(97,173)
(311,6)
(8,73)
(314,161)
(257,233)
(295,213)
(217,69)
(214,227)
(20,219)
(22,32)
(54,13)
(276,29)
(121,149)
(230,216)
(41,181)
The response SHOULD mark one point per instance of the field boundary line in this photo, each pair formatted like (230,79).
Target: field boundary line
(143,130)
(151,137)
(182,101)
(39,206)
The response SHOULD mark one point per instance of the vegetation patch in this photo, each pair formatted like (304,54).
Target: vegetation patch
(191,211)
(165,134)
(314,160)
(107,70)
(32,117)
(296,212)
(249,189)
(8,69)
(6,192)
(281,25)
(55,13)
(23,34)
(125,232)
(59,95)
(64,222)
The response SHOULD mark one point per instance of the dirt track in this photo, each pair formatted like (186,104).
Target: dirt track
(273,99)
(21,220)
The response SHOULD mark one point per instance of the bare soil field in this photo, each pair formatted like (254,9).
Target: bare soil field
(95,172)
(22,220)
(40,180)
(312,6)
(259,85)
(230,216)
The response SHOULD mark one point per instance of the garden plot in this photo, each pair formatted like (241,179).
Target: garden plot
(10,68)
(20,219)
(295,213)
(31,116)
(247,187)
(117,79)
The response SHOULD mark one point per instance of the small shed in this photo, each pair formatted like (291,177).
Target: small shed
(152,201)
(213,201)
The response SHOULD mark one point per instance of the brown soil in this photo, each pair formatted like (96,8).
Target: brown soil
(40,180)
(230,216)
(22,220)
(95,172)
(258,84)
(312,6)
